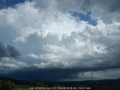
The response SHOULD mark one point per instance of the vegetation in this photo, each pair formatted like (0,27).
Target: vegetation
(7,85)
(36,85)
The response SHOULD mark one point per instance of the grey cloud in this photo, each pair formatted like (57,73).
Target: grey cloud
(78,5)
(109,5)
(9,51)
(37,42)
(111,57)
(54,74)
(3,50)
(42,74)
(100,8)
(107,10)
(64,5)
(13,52)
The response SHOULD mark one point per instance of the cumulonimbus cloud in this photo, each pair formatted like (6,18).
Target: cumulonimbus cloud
(51,40)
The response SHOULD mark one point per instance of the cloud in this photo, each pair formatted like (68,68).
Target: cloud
(3,50)
(8,65)
(9,51)
(78,52)
(100,9)
(13,52)
(53,42)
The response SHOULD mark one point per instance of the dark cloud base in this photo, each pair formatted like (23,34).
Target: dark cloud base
(53,74)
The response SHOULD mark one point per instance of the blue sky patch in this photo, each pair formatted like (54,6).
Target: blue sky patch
(98,47)
(84,17)
(10,3)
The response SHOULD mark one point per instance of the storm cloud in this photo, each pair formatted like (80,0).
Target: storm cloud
(3,50)
(60,40)
(9,51)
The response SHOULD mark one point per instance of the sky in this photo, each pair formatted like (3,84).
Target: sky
(60,40)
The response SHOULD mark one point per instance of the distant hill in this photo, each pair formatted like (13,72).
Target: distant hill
(20,82)
(108,84)
(69,83)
